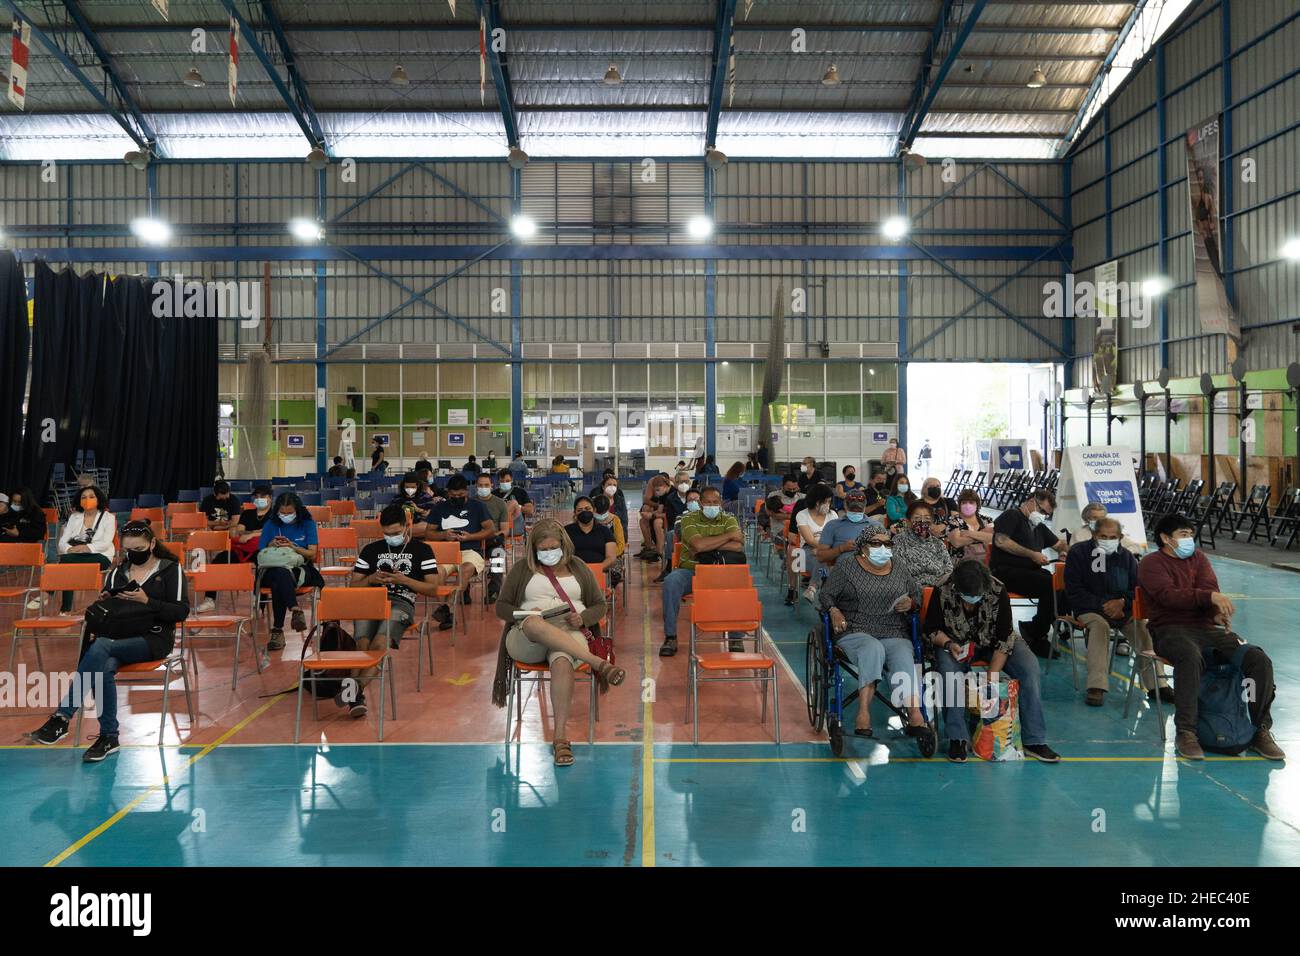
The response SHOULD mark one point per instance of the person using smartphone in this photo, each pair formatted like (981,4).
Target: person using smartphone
(290,528)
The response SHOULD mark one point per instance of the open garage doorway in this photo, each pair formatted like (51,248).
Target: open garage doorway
(955,409)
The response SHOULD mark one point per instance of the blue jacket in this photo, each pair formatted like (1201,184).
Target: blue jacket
(1087,590)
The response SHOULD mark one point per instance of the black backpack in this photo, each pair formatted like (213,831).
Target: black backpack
(332,637)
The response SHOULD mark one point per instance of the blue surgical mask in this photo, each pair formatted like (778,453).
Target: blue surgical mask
(711,511)
(506,486)
(15,508)
(1185,548)
(550,557)
(972,599)
(879,556)
(693,506)
(855,516)
(395,540)
(288,519)
(483,492)
(904,488)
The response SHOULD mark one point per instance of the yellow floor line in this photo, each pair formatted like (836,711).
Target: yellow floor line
(647,743)
(107,824)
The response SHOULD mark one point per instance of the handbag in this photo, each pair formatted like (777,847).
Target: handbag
(721,556)
(115,619)
(598,644)
(997,708)
(280,558)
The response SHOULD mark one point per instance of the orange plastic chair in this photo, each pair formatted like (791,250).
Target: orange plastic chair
(232,579)
(145,673)
(182,508)
(1151,659)
(337,539)
(541,675)
(51,516)
(347,604)
(321,514)
(367,529)
(187,521)
(722,611)
(155,516)
(56,577)
(602,578)
(30,555)
(447,554)
(343,511)
(721,576)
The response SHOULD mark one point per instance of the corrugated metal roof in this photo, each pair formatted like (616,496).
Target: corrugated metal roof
(556,53)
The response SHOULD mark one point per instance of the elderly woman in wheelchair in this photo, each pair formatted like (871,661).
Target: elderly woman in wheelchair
(867,599)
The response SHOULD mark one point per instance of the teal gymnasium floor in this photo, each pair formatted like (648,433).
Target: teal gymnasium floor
(1118,798)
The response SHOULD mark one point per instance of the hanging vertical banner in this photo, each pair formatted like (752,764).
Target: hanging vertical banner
(1202,142)
(232,65)
(1105,343)
(731,69)
(482,60)
(452,4)
(18,63)
(749,5)
(161,7)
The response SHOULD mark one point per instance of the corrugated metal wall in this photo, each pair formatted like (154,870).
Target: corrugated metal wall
(1263,105)
(598,299)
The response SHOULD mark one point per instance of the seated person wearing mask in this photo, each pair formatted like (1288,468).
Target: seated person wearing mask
(605,516)
(969,622)
(900,496)
(709,529)
(499,513)
(670,539)
(519,505)
(221,507)
(518,468)
(609,487)
(593,542)
(338,469)
(1188,615)
(1017,561)
(941,508)
(866,596)
(848,484)
(1093,512)
(809,523)
(289,530)
(466,522)
(245,538)
(731,484)
(919,548)
(21,520)
(406,567)
(840,536)
(414,495)
(87,536)
(809,475)
(1100,580)
(969,534)
(651,527)
(672,505)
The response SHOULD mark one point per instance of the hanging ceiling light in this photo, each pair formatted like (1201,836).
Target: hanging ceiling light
(831,77)
(317,159)
(612,76)
(895,228)
(194,78)
(1037,79)
(154,232)
(137,158)
(524,227)
(398,77)
(1291,249)
(700,227)
(715,158)
(517,158)
(308,230)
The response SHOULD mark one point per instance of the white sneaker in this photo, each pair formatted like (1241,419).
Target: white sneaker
(810,592)
(35,604)
(207,606)
(1122,649)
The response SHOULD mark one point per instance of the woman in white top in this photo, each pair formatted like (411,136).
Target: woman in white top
(87,536)
(809,523)
(558,640)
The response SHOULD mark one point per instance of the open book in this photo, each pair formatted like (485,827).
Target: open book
(558,611)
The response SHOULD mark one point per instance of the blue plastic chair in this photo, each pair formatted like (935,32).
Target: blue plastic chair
(187,496)
(150,501)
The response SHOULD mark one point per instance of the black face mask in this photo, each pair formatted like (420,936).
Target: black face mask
(850,476)
(932,493)
(458,499)
(139,557)
(586,517)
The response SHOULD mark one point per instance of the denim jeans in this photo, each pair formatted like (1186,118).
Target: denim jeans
(102,657)
(676,586)
(1022,665)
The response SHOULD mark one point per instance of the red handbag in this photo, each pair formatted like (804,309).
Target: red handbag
(598,644)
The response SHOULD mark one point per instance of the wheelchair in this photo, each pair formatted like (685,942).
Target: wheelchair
(826,670)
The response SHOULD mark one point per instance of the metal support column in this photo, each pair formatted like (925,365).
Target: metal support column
(1162,201)
(710,332)
(322,343)
(902,317)
(516,331)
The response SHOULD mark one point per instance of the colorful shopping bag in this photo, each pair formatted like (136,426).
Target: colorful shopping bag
(995,705)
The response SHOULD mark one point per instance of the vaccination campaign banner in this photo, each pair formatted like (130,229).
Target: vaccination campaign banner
(1101,473)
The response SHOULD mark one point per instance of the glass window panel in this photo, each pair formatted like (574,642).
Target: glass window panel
(880,407)
(690,377)
(597,380)
(493,378)
(879,376)
(345,378)
(564,381)
(843,409)
(843,377)
(806,376)
(630,383)
(663,379)
(456,378)
(734,378)
(420,379)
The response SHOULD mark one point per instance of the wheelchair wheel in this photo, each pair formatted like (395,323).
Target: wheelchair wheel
(928,742)
(815,677)
(837,737)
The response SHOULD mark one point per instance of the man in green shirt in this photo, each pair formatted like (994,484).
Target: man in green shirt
(709,529)
(496,509)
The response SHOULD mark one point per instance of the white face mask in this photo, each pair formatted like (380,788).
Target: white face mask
(712,511)
(262,503)
(506,486)
(683,486)
(483,492)
(395,540)
(551,557)
(1108,545)
(410,491)
(289,518)
(611,490)
(1092,525)
(904,488)
(824,508)
(1036,518)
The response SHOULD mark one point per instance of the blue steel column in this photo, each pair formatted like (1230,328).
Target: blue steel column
(516,332)
(322,343)
(1227,190)
(1071,344)
(902,317)
(1162,133)
(151,185)
(710,332)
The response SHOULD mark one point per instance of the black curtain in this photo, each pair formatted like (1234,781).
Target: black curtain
(14,345)
(146,403)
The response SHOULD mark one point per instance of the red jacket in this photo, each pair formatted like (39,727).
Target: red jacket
(1177,590)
